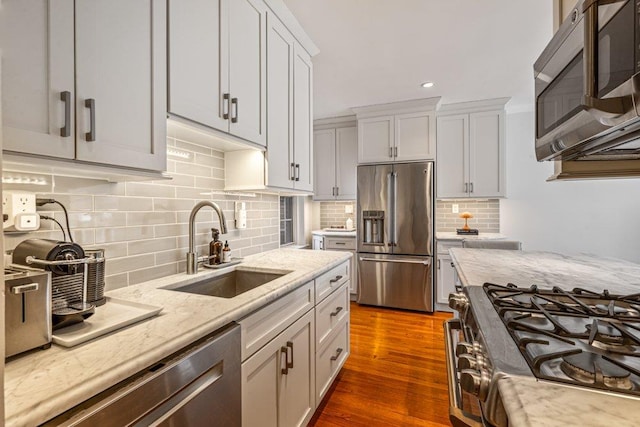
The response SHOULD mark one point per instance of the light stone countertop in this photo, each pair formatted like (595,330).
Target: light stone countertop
(451,235)
(529,402)
(44,384)
(332,233)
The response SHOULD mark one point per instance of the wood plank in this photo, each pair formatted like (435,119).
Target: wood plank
(395,375)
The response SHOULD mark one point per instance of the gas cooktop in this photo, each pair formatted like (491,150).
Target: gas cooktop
(578,337)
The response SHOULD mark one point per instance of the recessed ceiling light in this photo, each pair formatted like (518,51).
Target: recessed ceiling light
(427,84)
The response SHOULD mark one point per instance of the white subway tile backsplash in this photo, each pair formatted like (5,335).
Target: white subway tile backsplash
(486,215)
(143,225)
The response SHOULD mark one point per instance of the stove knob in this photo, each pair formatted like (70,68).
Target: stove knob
(467,361)
(464,348)
(477,348)
(458,301)
(475,382)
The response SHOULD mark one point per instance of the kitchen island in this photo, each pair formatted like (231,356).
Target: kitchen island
(527,400)
(44,384)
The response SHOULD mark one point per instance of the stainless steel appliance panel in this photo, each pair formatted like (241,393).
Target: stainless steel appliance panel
(413,208)
(198,386)
(587,85)
(396,281)
(27,311)
(374,197)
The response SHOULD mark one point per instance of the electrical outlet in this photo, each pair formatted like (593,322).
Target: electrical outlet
(348,209)
(454,208)
(19,209)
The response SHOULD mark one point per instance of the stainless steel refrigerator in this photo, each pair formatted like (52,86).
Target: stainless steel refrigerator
(396,235)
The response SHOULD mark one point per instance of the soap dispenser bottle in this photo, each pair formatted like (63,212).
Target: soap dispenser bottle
(226,252)
(215,248)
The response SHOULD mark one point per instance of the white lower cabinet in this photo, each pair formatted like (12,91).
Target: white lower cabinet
(283,344)
(278,381)
(330,358)
(446,279)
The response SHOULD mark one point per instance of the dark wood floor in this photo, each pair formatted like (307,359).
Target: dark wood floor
(396,374)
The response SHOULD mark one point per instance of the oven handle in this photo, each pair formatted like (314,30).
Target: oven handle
(605,110)
(457,416)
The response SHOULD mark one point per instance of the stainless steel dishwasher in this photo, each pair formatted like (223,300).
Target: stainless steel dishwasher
(196,386)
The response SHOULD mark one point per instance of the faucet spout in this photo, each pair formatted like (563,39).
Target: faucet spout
(192,255)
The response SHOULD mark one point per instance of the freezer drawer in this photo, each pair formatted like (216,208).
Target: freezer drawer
(396,281)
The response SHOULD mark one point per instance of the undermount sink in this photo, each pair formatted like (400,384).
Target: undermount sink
(229,284)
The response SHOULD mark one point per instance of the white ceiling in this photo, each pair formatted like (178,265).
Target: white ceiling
(379,51)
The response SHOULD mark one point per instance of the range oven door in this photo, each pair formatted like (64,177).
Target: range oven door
(587,82)
(464,408)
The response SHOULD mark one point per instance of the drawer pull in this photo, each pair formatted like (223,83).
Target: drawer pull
(285,350)
(335,280)
(338,351)
(335,313)
(340,243)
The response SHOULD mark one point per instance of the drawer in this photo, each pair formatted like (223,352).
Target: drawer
(330,312)
(330,358)
(262,326)
(443,246)
(344,243)
(332,280)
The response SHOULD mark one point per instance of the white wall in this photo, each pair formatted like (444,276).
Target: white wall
(591,216)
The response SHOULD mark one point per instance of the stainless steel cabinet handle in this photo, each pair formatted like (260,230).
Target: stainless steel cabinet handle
(395,151)
(234,103)
(338,352)
(65,97)
(340,243)
(471,187)
(400,261)
(91,105)
(335,280)
(335,313)
(466,187)
(293,171)
(285,350)
(438,264)
(225,103)
(337,191)
(390,151)
(297,171)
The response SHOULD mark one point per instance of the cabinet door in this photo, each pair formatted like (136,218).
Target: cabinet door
(247,69)
(121,69)
(375,139)
(303,119)
(297,385)
(324,147)
(274,394)
(453,158)
(446,279)
(197,79)
(414,137)
(346,162)
(280,88)
(486,154)
(36,40)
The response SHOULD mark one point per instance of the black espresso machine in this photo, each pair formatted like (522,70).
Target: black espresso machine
(72,271)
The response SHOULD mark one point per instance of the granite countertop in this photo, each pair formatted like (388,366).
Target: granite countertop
(451,235)
(334,233)
(529,402)
(43,384)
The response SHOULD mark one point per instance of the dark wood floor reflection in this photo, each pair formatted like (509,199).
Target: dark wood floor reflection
(396,374)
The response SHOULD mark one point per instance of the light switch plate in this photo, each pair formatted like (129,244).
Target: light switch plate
(454,208)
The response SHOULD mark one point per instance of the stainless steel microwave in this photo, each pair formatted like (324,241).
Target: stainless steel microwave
(587,85)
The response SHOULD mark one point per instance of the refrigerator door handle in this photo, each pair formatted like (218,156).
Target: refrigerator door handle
(392,216)
(400,261)
(394,242)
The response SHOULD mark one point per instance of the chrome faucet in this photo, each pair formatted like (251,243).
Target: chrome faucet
(192,255)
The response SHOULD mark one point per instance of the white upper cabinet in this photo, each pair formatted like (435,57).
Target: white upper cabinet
(217,71)
(302,119)
(86,80)
(336,159)
(471,150)
(398,132)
